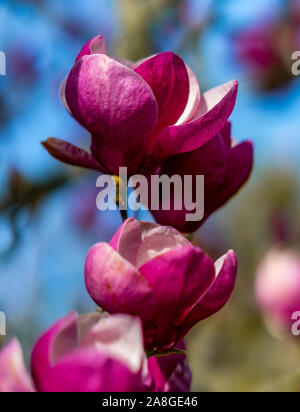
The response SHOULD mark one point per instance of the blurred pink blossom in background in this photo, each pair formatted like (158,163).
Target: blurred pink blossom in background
(265,48)
(277,289)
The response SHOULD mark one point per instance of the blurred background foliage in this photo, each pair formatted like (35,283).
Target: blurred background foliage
(48,218)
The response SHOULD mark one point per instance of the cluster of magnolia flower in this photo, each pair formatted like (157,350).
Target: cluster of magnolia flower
(151,282)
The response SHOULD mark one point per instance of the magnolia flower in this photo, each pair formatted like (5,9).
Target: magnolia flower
(138,114)
(154,272)
(91,353)
(226,167)
(256,48)
(277,289)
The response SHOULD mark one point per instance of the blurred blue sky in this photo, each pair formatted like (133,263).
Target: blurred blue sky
(44,275)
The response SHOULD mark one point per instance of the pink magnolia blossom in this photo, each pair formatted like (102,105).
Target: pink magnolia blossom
(138,114)
(225,165)
(256,47)
(92,353)
(154,272)
(265,48)
(277,289)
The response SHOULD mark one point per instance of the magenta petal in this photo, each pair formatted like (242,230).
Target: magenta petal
(170,373)
(240,165)
(115,284)
(238,171)
(95,46)
(215,108)
(13,374)
(82,354)
(225,173)
(178,278)
(87,370)
(127,240)
(210,161)
(226,135)
(219,293)
(48,349)
(70,154)
(167,76)
(116,105)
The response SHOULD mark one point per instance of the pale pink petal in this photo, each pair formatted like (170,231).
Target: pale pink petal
(138,242)
(157,240)
(116,336)
(62,93)
(127,239)
(193,100)
(13,374)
